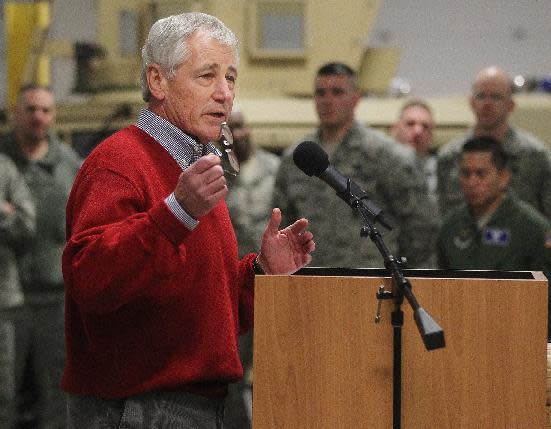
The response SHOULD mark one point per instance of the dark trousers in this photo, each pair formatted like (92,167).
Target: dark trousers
(238,401)
(33,341)
(10,319)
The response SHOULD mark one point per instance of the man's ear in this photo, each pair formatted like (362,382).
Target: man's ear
(504,178)
(511,105)
(156,81)
(357,97)
(471,102)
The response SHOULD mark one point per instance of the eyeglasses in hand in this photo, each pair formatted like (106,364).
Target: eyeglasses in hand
(224,149)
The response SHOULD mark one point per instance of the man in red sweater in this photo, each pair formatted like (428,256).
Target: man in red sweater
(156,296)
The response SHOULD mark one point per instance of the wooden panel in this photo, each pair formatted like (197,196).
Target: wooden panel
(319,355)
(322,362)
(492,372)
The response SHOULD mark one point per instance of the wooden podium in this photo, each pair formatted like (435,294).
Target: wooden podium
(320,360)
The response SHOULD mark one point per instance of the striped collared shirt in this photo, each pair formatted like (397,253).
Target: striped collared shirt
(181,147)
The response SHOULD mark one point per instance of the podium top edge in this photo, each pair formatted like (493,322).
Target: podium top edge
(423,273)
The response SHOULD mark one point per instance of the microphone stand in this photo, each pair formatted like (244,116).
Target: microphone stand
(431,333)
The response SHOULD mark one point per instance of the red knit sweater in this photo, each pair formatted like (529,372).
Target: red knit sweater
(149,304)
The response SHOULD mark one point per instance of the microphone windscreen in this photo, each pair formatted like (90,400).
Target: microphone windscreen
(310,158)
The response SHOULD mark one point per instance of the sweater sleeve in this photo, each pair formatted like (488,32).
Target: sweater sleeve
(119,243)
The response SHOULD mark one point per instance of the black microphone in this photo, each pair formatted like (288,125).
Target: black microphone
(314,161)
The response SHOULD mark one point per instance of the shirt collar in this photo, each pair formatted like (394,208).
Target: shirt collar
(184,149)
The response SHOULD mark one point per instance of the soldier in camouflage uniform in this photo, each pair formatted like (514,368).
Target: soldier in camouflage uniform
(414,127)
(530,160)
(492,229)
(385,170)
(249,201)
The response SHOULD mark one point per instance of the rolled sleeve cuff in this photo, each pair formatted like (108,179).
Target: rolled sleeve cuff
(176,209)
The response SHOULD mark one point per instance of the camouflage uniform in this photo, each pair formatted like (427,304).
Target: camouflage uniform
(427,165)
(530,164)
(517,237)
(387,172)
(250,197)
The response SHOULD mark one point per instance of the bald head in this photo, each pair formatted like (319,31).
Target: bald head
(494,75)
(492,101)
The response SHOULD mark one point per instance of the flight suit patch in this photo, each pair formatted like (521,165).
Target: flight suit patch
(463,239)
(496,237)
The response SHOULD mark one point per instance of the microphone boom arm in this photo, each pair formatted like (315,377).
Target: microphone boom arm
(356,198)
(431,333)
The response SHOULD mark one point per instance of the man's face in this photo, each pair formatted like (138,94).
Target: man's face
(200,97)
(482,183)
(336,99)
(34,114)
(241,135)
(491,102)
(415,128)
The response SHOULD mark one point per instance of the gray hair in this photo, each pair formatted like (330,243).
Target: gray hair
(167,42)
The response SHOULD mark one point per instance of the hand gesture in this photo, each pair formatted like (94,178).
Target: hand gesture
(201,186)
(288,250)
